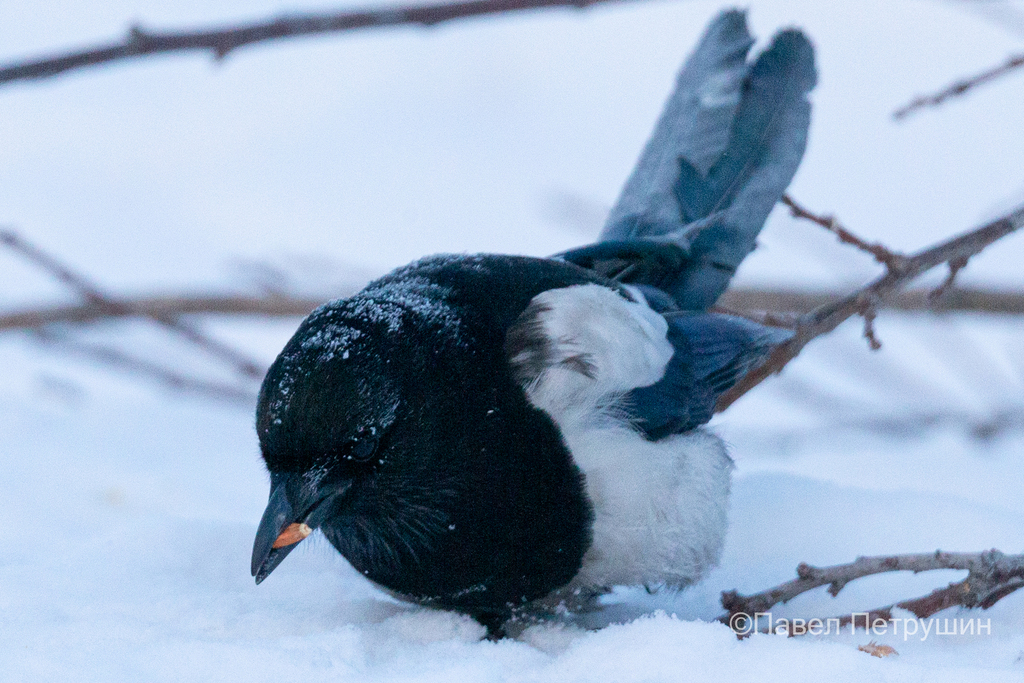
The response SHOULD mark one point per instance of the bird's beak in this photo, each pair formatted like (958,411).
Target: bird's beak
(273,538)
(291,515)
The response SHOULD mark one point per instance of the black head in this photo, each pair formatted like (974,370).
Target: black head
(392,422)
(342,418)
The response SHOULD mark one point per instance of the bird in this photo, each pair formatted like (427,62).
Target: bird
(503,435)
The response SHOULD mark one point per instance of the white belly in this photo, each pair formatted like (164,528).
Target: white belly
(659,507)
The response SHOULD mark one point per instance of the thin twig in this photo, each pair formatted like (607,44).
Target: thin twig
(991,576)
(114,307)
(881,253)
(140,42)
(868,311)
(959,87)
(955,266)
(136,366)
(826,318)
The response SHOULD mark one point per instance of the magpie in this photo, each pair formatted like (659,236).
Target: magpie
(500,435)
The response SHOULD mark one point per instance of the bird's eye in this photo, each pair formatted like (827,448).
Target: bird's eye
(362,447)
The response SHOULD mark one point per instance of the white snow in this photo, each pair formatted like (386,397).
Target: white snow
(127,512)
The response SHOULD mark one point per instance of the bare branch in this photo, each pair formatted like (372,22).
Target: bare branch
(114,307)
(868,311)
(776,307)
(955,266)
(136,366)
(140,42)
(273,306)
(783,319)
(826,318)
(991,577)
(51,265)
(882,254)
(959,87)
(784,301)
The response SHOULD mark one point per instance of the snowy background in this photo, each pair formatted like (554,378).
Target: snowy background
(128,512)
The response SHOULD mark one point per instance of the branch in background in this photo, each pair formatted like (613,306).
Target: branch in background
(784,319)
(220,41)
(113,307)
(273,306)
(955,266)
(783,301)
(882,254)
(960,87)
(826,318)
(775,307)
(991,576)
(843,416)
(985,428)
(136,366)
(778,307)
(869,311)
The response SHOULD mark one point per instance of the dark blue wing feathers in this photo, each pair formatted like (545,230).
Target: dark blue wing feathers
(712,352)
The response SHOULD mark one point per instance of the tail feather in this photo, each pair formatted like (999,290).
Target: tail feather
(767,142)
(694,125)
(722,154)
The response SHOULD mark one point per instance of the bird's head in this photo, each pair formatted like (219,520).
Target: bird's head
(344,430)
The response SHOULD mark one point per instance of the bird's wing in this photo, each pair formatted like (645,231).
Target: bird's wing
(723,152)
(711,353)
(579,350)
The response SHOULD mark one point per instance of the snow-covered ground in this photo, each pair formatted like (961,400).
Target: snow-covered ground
(128,512)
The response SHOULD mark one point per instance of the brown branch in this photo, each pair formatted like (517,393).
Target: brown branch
(776,307)
(868,311)
(959,87)
(274,306)
(784,319)
(826,318)
(955,266)
(114,307)
(991,576)
(140,42)
(786,301)
(136,366)
(882,254)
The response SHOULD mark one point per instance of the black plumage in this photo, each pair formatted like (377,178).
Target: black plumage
(471,500)
(451,429)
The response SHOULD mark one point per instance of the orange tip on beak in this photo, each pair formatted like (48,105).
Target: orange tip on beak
(292,534)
